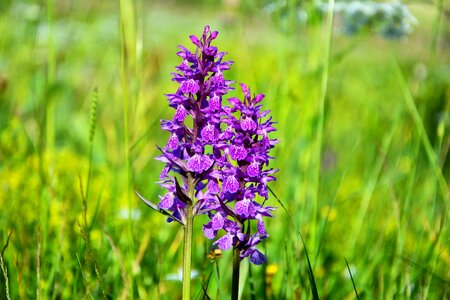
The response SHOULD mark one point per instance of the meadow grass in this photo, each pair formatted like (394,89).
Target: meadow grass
(364,134)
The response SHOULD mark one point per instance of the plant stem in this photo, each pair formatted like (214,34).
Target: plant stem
(321,121)
(187,253)
(187,250)
(235,280)
(5,273)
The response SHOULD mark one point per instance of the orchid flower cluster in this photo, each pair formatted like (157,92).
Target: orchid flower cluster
(217,156)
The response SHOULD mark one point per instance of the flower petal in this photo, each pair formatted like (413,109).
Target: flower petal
(225,242)
(231,184)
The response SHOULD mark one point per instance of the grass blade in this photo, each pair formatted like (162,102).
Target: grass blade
(351,277)
(420,127)
(333,200)
(6,244)
(321,116)
(444,283)
(311,278)
(203,294)
(312,281)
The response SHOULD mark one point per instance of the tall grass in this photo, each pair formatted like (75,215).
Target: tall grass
(129,80)
(363,162)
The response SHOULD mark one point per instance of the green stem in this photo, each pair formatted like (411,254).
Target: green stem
(235,280)
(187,253)
(51,71)
(321,120)
(187,250)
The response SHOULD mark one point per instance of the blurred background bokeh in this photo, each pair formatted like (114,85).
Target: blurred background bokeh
(362,103)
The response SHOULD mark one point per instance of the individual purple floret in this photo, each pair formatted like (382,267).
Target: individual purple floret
(217,156)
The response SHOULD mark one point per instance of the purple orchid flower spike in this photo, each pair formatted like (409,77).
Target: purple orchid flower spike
(217,153)
(244,174)
(198,97)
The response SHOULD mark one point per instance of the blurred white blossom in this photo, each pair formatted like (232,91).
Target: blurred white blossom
(391,20)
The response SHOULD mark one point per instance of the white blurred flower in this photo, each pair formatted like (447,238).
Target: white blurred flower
(123,214)
(179,275)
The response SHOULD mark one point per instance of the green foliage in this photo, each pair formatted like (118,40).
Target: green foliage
(364,153)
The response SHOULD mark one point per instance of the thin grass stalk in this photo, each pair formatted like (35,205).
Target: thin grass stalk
(436,27)
(351,277)
(320,129)
(128,62)
(312,280)
(203,293)
(38,265)
(86,196)
(437,249)
(433,59)
(217,278)
(434,162)
(86,282)
(437,164)
(84,235)
(370,186)
(4,268)
(84,230)
(51,71)
(46,152)
(311,277)
(125,100)
(440,134)
(252,283)
(404,211)
(139,50)
(5,274)
(332,202)
(407,205)
(236,269)
(432,157)
(286,277)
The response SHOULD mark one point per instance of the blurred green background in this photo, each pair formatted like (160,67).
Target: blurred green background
(363,123)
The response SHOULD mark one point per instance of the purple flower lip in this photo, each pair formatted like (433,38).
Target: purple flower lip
(189,86)
(158,209)
(199,163)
